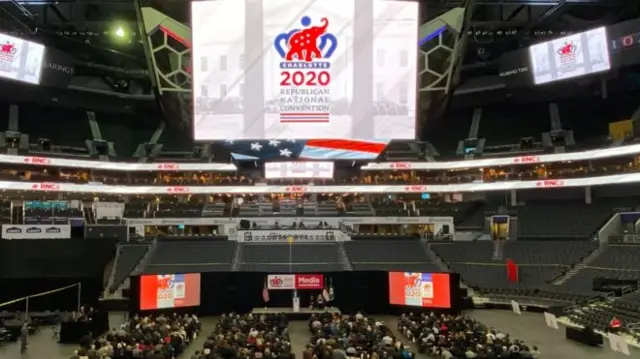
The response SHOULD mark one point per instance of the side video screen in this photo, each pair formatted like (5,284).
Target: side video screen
(169,291)
(304,69)
(431,290)
(571,56)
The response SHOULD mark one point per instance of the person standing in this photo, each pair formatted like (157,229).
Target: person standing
(24,335)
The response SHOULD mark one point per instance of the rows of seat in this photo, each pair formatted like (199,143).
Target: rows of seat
(128,257)
(567,220)
(285,253)
(488,276)
(522,252)
(386,251)
(186,256)
(624,257)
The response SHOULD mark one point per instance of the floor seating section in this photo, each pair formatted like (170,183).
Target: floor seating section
(184,256)
(128,257)
(301,257)
(599,315)
(562,220)
(482,264)
(390,255)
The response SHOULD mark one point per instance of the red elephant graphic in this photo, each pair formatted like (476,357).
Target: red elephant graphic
(304,43)
(412,280)
(8,48)
(164,282)
(566,49)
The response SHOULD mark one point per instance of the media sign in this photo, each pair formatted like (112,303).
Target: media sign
(295,281)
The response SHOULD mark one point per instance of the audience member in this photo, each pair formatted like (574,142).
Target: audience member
(341,337)
(248,337)
(150,337)
(457,337)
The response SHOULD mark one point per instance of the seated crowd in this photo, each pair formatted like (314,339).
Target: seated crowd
(150,337)
(248,337)
(336,336)
(457,337)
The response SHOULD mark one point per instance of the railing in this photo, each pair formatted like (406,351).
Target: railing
(570,309)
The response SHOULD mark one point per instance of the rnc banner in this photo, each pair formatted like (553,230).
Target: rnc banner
(36,231)
(295,281)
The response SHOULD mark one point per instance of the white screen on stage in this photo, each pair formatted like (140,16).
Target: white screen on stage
(571,56)
(305,170)
(20,60)
(304,69)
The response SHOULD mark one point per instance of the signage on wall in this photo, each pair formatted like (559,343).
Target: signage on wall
(36,231)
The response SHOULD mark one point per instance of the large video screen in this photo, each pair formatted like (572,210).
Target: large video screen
(304,170)
(571,56)
(20,60)
(303,69)
(431,290)
(169,291)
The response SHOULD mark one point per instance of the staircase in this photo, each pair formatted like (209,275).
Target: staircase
(237,256)
(344,257)
(143,261)
(433,257)
(88,214)
(105,293)
(560,280)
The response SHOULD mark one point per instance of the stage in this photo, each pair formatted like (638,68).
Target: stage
(304,313)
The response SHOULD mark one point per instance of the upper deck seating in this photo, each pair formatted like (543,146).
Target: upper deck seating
(136,209)
(178,210)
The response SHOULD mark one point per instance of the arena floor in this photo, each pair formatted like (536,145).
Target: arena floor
(529,327)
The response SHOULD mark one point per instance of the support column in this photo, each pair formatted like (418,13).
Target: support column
(554,116)
(513,201)
(363,54)
(253,99)
(587,195)
(475,123)
(14,114)
(93,125)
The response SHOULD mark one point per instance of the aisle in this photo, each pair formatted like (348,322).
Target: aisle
(299,335)
(208,325)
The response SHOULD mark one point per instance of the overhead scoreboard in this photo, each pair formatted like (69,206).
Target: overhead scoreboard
(304,69)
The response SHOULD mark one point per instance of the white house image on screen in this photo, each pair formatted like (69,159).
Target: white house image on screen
(218,68)
(395,57)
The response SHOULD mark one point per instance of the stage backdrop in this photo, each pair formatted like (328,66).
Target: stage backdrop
(366,291)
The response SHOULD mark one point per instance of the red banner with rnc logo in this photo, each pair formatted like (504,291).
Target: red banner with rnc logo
(295,281)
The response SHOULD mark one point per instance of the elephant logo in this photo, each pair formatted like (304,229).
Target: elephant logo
(309,44)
